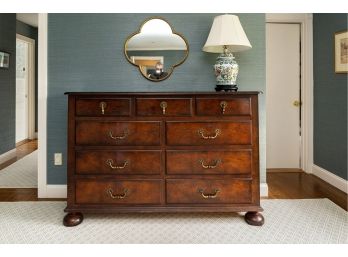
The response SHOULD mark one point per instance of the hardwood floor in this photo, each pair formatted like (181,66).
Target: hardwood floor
(282,184)
(300,185)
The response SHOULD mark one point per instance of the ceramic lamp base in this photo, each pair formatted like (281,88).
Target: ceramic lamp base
(226,88)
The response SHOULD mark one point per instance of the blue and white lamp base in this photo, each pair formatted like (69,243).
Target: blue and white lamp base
(226,72)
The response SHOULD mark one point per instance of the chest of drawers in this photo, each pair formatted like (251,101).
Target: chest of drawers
(163,152)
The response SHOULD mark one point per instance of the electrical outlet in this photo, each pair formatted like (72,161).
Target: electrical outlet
(58,159)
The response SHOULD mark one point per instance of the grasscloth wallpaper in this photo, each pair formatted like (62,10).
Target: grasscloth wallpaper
(85,53)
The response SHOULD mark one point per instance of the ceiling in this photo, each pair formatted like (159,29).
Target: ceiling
(29,18)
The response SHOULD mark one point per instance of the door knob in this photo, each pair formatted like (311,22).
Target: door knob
(296,103)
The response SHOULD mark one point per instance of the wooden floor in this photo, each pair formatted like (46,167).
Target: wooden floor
(282,184)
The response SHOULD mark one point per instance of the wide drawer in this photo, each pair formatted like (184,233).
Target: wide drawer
(223,107)
(209,133)
(207,191)
(103,107)
(163,106)
(117,133)
(118,162)
(118,192)
(209,162)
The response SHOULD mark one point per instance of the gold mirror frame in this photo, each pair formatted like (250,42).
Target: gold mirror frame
(171,69)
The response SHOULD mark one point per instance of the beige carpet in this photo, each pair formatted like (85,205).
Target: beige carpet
(286,221)
(21,174)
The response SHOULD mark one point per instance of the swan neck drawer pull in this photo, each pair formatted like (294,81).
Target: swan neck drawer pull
(110,162)
(223,106)
(201,133)
(125,134)
(118,196)
(102,106)
(206,196)
(163,105)
(213,166)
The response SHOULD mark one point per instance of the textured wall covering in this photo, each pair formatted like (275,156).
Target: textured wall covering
(31,32)
(330,97)
(8,84)
(85,53)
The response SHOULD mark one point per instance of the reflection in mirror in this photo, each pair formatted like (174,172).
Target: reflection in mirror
(156,49)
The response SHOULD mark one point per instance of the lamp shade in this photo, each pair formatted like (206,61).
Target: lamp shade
(226,31)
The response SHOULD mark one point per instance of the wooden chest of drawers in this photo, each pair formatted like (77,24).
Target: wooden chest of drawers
(163,152)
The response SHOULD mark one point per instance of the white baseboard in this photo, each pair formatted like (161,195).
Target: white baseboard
(331,178)
(8,155)
(264,190)
(60,191)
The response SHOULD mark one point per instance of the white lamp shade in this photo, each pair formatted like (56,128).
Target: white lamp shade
(226,31)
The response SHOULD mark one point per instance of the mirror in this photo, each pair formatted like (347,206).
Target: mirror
(156,49)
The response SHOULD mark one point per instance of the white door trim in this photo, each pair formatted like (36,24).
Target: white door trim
(42,107)
(31,84)
(306,22)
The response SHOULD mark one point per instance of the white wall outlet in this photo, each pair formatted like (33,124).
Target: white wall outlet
(58,159)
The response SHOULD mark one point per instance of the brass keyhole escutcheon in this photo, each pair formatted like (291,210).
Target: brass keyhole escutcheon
(102,106)
(296,103)
(164,106)
(223,106)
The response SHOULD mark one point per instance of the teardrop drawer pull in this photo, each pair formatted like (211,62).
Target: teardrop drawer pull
(102,106)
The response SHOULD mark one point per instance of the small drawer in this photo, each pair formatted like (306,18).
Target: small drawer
(103,107)
(223,107)
(135,162)
(209,133)
(118,192)
(209,162)
(163,106)
(118,133)
(207,191)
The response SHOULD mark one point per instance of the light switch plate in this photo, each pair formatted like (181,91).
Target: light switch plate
(58,160)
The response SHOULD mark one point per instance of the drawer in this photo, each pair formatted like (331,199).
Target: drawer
(117,133)
(103,107)
(209,133)
(223,107)
(163,106)
(206,191)
(118,192)
(209,162)
(118,162)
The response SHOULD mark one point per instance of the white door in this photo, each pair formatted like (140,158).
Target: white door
(22,90)
(283,90)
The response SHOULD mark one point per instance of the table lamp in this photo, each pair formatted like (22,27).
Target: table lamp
(226,36)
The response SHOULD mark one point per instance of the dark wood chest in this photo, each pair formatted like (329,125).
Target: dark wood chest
(163,152)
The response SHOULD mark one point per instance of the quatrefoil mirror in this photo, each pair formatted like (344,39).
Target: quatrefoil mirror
(156,49)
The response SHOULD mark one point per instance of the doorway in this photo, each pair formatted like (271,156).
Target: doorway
(25,89)
(283,102)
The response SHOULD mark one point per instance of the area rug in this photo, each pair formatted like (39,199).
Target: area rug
(21,174)
(286,221)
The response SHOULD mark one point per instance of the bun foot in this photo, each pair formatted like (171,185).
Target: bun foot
(254,218)
(72,219)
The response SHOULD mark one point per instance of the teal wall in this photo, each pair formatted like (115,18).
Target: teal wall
(85,53)
(8,84)
(330,96)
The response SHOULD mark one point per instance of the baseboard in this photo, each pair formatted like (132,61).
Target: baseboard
(264,190)
(7,156)
(60,191)
(53,191)
(331,178)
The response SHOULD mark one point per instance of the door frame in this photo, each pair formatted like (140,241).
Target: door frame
(306,24)
(31,84)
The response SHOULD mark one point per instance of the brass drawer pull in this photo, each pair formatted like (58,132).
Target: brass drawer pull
(103,105)
(110,162)
(201,133)
(125,134)
(163,105)
(120,196)
(216,163)
(223,106)
(206,196)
